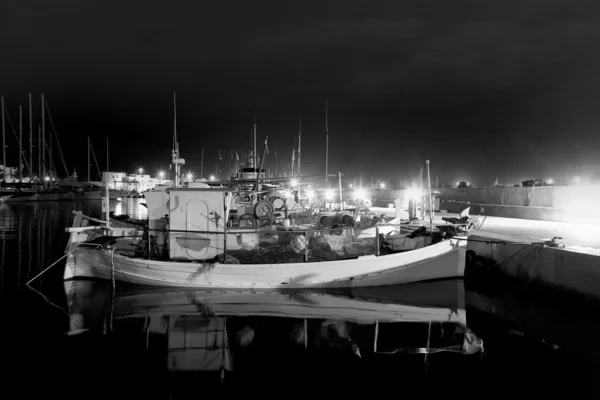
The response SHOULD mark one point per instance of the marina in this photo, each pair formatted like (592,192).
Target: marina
(287,199)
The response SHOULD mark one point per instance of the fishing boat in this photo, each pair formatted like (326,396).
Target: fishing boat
(194,240)
(240,236)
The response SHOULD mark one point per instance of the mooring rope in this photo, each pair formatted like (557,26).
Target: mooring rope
(53,264)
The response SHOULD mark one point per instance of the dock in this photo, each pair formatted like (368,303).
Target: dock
(557,255)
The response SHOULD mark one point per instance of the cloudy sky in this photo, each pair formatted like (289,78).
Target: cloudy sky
(507,89)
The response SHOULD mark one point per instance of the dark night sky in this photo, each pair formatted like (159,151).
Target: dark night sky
(481,88)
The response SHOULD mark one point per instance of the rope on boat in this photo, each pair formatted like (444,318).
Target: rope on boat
(53,264)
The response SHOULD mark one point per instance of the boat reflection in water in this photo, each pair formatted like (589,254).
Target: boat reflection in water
(240,338)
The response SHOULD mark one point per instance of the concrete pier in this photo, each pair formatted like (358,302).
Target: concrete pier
(523,249)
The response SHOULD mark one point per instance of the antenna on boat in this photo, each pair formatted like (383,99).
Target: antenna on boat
(178,162)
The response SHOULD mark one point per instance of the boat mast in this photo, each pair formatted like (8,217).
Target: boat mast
(326,153)
(326,149)
(40,153)
(202,164)
(430,199)
(20,143)
(3,142)
(299,145)
(30,139)
(88,164)
(106,189)
(255,155)
(44,138)
(175,154)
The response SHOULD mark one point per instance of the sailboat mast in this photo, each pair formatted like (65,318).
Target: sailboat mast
(44,137)
(3,140)
(40,153)
(176,160)
(202,164)
(107,194)
(255,155)
(20,143)
(299,146)
(326,147)
(30,139)
(88,164)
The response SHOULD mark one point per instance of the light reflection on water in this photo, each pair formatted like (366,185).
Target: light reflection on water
(32,235)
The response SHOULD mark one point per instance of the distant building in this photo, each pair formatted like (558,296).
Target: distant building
(130,182)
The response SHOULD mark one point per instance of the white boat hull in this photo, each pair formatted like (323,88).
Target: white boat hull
(444,260)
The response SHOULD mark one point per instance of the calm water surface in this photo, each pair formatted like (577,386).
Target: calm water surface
(89,339)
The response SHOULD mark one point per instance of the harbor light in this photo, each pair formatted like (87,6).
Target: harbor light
(359,194)
(382,185)
(189,176)
(140,170)
(47,179)
(212,177)
(161,174)
(294,182)
(550,181)
(413,194)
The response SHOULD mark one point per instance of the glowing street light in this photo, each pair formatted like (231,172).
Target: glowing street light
(189,176)
(382,185)
(294,182)
(140,170)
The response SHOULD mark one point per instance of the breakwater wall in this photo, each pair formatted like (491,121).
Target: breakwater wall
(576,204)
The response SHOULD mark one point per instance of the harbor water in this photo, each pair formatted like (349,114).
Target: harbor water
(479,337)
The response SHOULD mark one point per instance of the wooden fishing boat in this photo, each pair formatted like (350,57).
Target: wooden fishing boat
(196,246)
